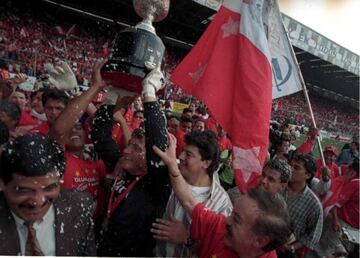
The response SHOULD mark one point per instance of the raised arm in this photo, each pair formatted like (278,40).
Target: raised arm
(76,107)
(179,185)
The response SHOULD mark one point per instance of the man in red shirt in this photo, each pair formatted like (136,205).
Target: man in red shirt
(330,154)
(54,102)
(258,224)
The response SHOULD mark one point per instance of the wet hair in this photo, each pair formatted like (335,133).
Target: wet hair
(273,221)
(282,167)
(31,155)
(4,133)
(54,94)
(206,142)
(11,110)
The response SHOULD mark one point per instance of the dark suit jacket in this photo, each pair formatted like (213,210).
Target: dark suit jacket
(74,233)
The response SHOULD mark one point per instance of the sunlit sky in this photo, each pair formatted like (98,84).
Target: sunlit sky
(338,20)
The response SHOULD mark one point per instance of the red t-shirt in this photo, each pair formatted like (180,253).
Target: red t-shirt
(210,228)
(349,203)
(26,119)
(334,169)
(83,175)
(42,129)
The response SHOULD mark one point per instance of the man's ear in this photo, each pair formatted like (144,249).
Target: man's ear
(284,186)
(206,163)
(261,241)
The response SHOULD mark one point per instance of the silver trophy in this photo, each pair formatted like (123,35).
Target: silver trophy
(137,49)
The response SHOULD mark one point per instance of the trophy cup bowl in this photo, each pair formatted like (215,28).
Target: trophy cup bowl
(136,46)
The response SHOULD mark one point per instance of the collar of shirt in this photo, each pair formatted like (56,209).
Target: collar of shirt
(48,217)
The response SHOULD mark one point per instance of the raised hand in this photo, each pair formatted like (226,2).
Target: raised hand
(61,77)
(169,155)
(97,80)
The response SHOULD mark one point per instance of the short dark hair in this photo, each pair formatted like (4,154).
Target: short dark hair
(54,94)
(34,93)
(11,110)
(206,142)
(282,167)
(186,119)
(31,155)
(186,110)
(273,221)
(309,164)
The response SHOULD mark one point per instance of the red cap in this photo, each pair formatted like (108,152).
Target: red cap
(332,149)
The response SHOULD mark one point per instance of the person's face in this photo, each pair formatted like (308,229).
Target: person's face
(191,161)
(139,116)
(239,235)
(19,99)
(10,123)
(354,146)
(133,159)
(138,103)
(53,109)
(36,103)
(299,174)
(186,127)
(271,181)
(284,147)
(76,138)
(173,126)
(193,107)
(31,197)
(329,157)
(199,126)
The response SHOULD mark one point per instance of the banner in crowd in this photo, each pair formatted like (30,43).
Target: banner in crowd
(309,40)
(229,69)
(179,107)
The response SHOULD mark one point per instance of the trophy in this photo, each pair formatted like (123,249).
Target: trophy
(137,49)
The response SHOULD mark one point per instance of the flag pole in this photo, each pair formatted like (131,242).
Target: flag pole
(304,90)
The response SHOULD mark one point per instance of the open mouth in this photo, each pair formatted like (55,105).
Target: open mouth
(74,137)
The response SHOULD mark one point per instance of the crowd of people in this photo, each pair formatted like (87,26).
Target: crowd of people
(80,176)
(339,119)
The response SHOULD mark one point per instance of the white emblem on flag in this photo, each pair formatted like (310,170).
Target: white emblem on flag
(199,73)
(231,27)
(247,160)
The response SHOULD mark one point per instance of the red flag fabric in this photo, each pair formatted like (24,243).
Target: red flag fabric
(332,196)
(229,70)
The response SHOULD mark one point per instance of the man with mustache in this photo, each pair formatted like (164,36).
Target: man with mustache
(36,217)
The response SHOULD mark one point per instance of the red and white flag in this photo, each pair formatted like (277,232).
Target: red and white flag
(229,69)
(331,198)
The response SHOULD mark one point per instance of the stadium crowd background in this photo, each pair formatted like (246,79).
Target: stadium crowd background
(30,39)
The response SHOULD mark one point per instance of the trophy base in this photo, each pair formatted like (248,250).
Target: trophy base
(128,80)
